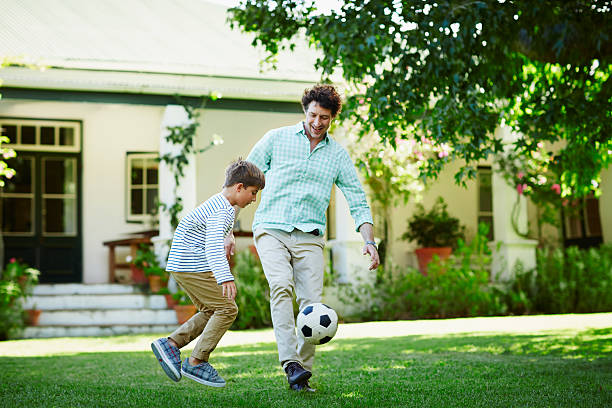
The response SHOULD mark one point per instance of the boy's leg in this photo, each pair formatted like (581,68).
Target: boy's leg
(308,266)
(221,312)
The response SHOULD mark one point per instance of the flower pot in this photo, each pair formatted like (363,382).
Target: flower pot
(170,301)
(184,312)
(33,315)
(425,256)
(138,275)
(155,283)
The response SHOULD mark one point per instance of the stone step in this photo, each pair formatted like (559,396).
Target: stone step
(98,301)
(100,317)
(85,289)
(88,331)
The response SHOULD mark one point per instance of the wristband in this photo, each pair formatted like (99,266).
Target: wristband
(371,243)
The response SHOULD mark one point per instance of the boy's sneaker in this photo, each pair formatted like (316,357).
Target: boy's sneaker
(203,373)
(296,373)
(169,358)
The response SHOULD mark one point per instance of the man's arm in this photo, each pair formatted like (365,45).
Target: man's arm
(367,232)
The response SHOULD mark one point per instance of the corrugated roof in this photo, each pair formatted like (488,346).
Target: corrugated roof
(169,36)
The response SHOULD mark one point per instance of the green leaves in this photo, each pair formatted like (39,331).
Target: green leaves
(453,71)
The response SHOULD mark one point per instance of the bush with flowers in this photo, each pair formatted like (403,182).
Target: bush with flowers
(536,176)
(16,284)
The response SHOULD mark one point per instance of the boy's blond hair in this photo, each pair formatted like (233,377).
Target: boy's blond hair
(242,171)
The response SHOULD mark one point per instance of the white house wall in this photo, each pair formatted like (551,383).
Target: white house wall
(109,131)
(605,205)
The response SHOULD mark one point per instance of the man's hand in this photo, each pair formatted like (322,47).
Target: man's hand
(230,245)
(371,249)
(229,289)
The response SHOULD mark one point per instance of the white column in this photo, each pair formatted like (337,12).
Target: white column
(174,115)
(509,247)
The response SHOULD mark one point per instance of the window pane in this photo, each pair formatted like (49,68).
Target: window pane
(28,135)
(593,221)
(137,197)
(66,136)
(152,201)
(152,174)
(16,215)
(47,135)
(485,192)
(59,176)
(22,181)
(59,215)
(137,176)
(10,131)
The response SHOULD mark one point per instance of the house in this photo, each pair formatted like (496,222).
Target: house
(88,122)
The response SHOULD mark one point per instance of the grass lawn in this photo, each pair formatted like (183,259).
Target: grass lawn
(569,367)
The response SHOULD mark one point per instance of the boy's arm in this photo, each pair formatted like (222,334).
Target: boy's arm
(230,241)
(214,238)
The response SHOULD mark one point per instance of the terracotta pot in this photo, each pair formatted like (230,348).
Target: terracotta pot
(155,283)
(253,250)
(170,301)
(425,256)
(138,275)
(33,317)
(184,312)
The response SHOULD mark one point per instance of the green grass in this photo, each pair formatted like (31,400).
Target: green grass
(562,368)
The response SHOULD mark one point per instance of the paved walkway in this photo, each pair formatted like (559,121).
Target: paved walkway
(476,325)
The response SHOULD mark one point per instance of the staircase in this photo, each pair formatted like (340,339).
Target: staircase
(74,310)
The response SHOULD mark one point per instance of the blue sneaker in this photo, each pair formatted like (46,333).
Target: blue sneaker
(169,358)
(203,373)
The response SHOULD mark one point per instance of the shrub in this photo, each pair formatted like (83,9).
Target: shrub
(17,282)
(434,228)
(253,298)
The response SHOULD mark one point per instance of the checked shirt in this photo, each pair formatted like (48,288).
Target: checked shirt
(299,182)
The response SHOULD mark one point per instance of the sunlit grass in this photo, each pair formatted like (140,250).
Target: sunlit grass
(565,367)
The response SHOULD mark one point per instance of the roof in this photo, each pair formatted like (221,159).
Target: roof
(101,43)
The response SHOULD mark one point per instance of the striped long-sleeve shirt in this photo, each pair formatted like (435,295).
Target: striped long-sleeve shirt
(197,245)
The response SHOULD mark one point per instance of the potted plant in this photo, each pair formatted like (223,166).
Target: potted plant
(147,262)
(435,231)
(184,308)
(169,297)
(16,284)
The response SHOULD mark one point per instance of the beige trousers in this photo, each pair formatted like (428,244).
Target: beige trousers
(293,263)
(216,313)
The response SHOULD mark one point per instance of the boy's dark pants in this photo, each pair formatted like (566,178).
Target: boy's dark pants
(216,313)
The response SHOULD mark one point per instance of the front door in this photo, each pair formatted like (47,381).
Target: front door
(40,213)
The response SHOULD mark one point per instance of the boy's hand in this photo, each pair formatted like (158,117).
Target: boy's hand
(229,289)
(230,245)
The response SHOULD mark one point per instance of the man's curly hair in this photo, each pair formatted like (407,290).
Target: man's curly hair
(325,95)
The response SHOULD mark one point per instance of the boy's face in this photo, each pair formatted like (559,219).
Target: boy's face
(245,195)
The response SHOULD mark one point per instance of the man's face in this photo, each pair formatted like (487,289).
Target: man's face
(246,196)
(318,120)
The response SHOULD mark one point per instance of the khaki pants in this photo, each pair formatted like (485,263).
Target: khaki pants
(216,313)
(291,262)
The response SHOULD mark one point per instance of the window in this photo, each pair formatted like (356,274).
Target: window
(47,135)
(142,186)
(485,199)
(582,223)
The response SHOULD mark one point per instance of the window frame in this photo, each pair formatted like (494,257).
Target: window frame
(479,212)
(145,217)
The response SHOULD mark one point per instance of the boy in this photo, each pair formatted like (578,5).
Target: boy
(198,263)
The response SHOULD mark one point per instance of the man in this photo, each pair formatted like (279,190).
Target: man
(301,164)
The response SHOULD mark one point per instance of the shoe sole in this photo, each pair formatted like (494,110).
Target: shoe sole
(201,380)
(166,364)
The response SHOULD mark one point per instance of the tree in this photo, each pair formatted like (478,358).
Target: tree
(453,71)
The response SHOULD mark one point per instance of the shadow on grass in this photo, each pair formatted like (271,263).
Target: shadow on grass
(544,369)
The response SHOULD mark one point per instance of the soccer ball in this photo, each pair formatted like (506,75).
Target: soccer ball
(317,323)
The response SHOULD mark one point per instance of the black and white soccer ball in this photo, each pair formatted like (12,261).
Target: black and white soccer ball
(317,323)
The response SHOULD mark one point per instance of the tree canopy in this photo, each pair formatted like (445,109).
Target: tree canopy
(453,71)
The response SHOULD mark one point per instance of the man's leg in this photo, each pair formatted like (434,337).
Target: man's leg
(276,261)
(308,266)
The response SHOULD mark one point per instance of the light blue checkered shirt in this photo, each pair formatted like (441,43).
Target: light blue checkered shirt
(299,183)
